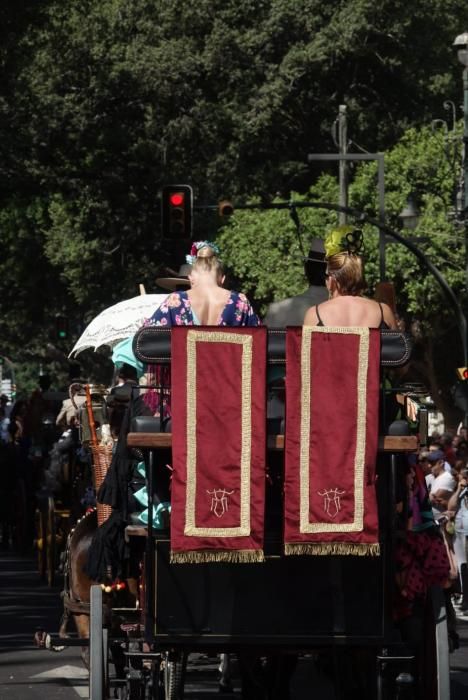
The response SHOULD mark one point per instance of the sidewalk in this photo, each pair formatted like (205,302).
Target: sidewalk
(26,602)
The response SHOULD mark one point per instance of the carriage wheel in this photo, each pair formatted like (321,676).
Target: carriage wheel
(175,666)
(51,541)
(40,542)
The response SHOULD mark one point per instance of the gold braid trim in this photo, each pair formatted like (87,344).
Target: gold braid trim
(246,342)
(305,526)
(238,556)
(328,548)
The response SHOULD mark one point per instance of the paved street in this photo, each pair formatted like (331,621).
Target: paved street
(28,673)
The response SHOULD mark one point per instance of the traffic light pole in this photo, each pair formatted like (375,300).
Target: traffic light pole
(343,158)
(465,193)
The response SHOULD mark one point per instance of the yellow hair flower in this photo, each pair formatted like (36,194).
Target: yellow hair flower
(337,240)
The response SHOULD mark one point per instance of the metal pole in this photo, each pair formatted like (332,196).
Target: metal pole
(150,550)
(382,241)
(96,651)
(465,173)
(343,166)
(342,158)
(465,198)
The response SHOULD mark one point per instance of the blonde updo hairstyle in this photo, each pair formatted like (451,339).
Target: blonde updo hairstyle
(347,270)
(208,261)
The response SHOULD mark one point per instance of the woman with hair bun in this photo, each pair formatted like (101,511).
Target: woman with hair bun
(346,283)
(206,303)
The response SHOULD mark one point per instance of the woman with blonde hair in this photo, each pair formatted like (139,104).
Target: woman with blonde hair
(206,303)
(346,283)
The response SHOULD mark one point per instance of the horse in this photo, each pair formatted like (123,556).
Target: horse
(76,594)
(77,583)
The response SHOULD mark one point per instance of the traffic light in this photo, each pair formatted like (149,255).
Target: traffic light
(177,211)
(225,208)
(61,327)
(462,372)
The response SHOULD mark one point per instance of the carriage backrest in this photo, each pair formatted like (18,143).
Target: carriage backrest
(152,345)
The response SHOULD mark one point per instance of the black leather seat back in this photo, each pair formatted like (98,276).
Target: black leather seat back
(152,345)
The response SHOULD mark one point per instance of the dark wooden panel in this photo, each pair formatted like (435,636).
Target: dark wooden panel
(286,600)
(387,443)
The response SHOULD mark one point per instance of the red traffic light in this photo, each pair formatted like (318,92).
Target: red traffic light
(177,199)
(177,212)
(462,373)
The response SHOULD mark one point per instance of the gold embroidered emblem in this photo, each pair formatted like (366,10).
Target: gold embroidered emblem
(219,501)
(331,501)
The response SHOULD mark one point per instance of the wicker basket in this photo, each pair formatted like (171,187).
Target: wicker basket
(102,456)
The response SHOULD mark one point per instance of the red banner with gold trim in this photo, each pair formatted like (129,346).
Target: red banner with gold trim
(218,444)
(332,393)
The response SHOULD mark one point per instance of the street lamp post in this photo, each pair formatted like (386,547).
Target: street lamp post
(461,45)
(409,216)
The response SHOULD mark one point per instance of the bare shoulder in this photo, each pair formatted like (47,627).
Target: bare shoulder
(388,316)
(310,318)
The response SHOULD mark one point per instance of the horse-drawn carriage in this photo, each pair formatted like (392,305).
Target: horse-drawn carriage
(283,539)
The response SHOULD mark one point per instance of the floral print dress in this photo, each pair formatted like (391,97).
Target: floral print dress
(176,310)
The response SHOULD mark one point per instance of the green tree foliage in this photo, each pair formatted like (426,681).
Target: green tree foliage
(263,249)
(422,165)
(229,95)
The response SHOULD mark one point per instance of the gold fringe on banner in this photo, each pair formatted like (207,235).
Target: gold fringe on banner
(328,548)
(244,556)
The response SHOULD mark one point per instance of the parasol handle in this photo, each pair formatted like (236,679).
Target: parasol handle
(89,409)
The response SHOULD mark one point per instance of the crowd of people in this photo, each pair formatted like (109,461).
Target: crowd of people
(37,435)
(444,465)
(24,445)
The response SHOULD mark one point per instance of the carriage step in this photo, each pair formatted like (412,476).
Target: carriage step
(55,643)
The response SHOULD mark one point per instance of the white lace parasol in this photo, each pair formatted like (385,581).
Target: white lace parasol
(118,322)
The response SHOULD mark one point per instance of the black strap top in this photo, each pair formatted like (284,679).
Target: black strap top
(381,326)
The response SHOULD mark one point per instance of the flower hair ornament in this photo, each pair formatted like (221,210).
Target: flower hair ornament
(198,245)
(344,239)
